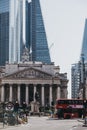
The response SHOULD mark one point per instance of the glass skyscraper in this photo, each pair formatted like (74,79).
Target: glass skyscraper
(84,44)
(11,31)
(15,31)
(77,71)
(4,31)
(36,39)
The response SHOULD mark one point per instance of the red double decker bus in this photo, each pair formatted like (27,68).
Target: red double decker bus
(69,108)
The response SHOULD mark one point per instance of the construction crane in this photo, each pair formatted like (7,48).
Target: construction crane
(51,46)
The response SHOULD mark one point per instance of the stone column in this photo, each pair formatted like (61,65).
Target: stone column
(34,92)
(18,93)
(66,92)
(27,94)
(58,92)
(2,93)
(50,98)
(42,92)
(10,93)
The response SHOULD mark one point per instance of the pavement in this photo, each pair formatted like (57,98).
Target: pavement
(80,125)
(79,128)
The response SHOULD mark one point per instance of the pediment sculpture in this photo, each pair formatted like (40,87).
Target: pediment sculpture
(30,73)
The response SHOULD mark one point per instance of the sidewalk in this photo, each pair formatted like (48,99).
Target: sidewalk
(80,127)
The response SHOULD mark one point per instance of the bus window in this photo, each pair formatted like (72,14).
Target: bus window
(61,102)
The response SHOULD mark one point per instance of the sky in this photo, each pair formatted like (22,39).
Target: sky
(64,23)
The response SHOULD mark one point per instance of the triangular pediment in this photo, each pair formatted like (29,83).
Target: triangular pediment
(29,73)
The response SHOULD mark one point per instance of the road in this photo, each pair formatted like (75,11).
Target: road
(44,123)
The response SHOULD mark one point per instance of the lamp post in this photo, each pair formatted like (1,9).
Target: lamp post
(83,79)
(83,82)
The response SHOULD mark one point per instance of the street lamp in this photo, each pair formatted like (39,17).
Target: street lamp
(83,82)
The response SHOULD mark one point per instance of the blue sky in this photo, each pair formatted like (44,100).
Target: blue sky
(64,21)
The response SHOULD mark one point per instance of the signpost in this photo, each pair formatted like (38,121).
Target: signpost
(9,106)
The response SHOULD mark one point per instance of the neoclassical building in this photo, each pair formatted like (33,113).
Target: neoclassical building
(20,81)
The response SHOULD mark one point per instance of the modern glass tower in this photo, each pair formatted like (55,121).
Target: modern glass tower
(15,31)
(83,56)
(84,44)
(78,69)
(36,38)
(27,24)
(4,31)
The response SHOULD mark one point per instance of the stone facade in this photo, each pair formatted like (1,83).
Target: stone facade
(21,81)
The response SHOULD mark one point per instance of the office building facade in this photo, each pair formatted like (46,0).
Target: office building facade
(84,43)
(36,38)
(83,66)
(11,31)
(15,31)
(4,31)
(75,80)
